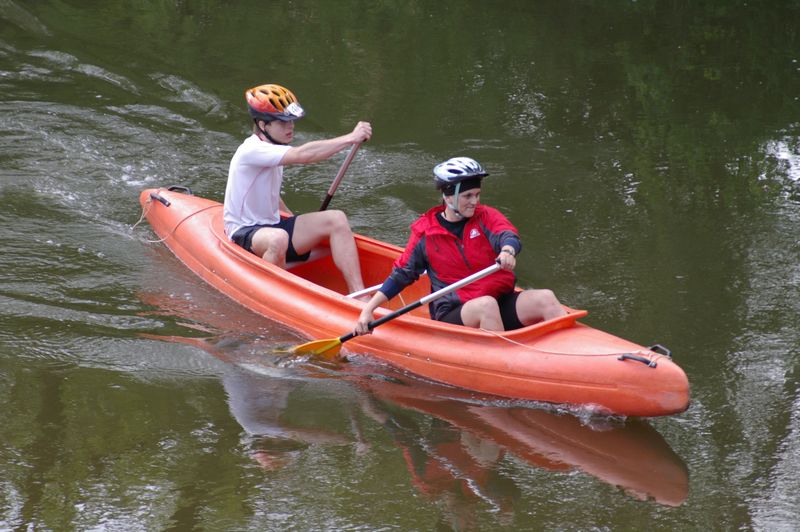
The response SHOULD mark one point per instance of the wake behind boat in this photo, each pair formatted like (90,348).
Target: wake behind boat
(558,361)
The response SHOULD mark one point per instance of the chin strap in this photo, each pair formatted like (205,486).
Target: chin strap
(454,207)
(269,137)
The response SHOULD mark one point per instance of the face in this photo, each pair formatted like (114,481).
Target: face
(468,201)
(280,131)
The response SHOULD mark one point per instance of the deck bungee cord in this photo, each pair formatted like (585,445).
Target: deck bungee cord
(649,357)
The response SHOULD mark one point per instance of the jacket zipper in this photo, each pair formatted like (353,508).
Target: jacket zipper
(460,248)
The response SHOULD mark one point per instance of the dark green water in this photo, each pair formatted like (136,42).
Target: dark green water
(649,153)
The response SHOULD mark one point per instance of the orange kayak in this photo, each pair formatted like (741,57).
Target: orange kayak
(557,361)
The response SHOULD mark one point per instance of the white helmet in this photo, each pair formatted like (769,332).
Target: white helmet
(456,170)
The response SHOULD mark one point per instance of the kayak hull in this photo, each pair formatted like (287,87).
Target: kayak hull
(557,361)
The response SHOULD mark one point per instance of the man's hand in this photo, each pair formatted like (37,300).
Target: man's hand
(507,258)
(362,325)
(362,132)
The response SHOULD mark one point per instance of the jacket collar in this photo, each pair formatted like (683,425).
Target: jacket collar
(432,225)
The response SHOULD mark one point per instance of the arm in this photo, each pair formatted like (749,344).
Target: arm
(503,237)
(406,270)
(507,258)
(362,325)
(393,285)
(319,150)
(511,243)
(510,246)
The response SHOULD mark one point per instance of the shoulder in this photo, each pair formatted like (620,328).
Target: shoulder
(485,212)
(493,220)
(253,143)
(426,219)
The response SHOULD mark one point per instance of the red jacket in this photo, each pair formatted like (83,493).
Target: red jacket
(449,259)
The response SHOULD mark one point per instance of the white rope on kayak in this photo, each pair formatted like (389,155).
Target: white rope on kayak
(146,208)
(144,212)
(509,340)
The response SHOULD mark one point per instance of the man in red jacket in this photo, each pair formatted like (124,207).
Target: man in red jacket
(456,239)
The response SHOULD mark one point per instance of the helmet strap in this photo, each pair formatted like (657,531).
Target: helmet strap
(454,206)
(269,137)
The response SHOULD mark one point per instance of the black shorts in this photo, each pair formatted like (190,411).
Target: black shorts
(244,238)
(508,312)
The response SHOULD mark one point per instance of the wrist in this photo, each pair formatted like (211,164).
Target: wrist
(511,251)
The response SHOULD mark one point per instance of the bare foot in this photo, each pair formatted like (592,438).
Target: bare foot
(363,298)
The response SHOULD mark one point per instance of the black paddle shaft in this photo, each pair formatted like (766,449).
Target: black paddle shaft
(380,321)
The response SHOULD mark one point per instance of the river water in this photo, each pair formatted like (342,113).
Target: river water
(649,153)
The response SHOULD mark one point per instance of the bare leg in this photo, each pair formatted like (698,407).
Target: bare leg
(312,228)
(536,305)
(271,244)
(345,255)
(482,312)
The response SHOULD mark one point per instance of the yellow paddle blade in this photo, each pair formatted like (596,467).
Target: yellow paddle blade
(328,348)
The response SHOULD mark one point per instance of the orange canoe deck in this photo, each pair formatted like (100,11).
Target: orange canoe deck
(557,361)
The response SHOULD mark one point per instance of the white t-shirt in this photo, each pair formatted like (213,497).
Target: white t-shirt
(253,192)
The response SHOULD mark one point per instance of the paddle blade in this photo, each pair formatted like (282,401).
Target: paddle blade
(328,348)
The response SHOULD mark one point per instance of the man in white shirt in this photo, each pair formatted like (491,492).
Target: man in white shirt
(253,193)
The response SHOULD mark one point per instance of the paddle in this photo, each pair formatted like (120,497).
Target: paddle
(329,348)
(339,176)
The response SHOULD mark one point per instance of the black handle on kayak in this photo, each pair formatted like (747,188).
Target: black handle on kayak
(173,188)
(661,350)
(637,358)
(159,198)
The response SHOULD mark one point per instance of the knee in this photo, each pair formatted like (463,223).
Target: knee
(278,242)
(270,243)
(548,297)
(537,305)
(539,298)
(486,305)
(338,221)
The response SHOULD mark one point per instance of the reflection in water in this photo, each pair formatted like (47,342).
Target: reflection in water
(632,455)
(257,403)
(451,466)
(258,390)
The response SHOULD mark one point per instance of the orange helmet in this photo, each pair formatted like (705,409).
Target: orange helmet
(273,102)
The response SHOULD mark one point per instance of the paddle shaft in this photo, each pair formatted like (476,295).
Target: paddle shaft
(370,289)
(339,176)
(427,299)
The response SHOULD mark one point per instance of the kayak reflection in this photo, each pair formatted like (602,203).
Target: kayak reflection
(631,455)
(257,397)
